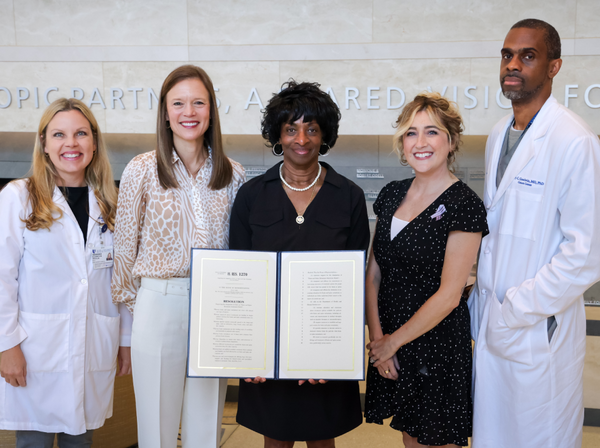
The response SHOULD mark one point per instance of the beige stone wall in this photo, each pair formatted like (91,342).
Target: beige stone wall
(356,48)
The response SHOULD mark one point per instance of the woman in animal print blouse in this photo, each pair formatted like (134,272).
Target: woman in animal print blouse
(172,199)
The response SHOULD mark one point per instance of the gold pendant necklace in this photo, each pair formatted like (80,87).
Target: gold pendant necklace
(300,217)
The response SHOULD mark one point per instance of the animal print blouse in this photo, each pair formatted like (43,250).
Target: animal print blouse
(156,228)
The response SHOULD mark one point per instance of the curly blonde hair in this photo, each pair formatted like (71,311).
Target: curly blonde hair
(443,113)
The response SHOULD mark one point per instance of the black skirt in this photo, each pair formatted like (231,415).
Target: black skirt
(282,410)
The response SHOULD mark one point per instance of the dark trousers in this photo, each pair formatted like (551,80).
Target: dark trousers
(38,439)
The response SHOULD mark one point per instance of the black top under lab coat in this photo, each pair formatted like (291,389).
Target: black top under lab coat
(263,218)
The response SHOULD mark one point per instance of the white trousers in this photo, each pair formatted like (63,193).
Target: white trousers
(163,394)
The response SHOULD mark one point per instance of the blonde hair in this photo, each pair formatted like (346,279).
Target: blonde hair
(443,113)
(43,174)
(222,170)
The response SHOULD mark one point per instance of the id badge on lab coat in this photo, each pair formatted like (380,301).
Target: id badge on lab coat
(102,257)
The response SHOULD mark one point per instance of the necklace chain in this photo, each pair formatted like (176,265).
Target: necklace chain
(300,217)
(299,189)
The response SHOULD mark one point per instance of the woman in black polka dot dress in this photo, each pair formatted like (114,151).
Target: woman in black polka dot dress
(428,232)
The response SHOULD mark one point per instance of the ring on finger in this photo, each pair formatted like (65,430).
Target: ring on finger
(387,371)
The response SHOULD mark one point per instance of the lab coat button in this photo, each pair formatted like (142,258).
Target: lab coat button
(486,251)
(83,281)
(483,291)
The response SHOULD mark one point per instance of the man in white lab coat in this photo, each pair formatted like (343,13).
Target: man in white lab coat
(542,195)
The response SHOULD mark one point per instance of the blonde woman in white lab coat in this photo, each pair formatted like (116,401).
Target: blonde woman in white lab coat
(60,334)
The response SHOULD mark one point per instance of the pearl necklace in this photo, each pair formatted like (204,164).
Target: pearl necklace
(299,189)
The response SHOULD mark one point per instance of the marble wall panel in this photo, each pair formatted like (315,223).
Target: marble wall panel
(110,22)
(465,20)
(246,87)
(235,81)
(240,106)
(31,75)
(7,23)
(231,22)
(588,13)
(582,72)
(133,75)
(411,76)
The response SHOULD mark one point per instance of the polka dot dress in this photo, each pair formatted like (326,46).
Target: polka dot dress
(431,400)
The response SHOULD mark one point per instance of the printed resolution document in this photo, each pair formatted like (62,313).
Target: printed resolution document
(232,314)
(288,315)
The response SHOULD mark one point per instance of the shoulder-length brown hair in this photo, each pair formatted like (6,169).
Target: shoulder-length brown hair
(222,171)
(43,174)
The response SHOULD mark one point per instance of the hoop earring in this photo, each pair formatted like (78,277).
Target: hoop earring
(276,153)
(326,152)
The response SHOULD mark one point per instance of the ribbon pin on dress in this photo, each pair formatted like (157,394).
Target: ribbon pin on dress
(439,212)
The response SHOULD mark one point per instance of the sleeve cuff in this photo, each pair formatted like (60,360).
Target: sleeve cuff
(126,324)
(13,339)
(125,340)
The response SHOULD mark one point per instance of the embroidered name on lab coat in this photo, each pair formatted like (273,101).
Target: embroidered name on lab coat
(528,182)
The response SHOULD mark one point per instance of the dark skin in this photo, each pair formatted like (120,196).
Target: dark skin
(300,142)
(526,67)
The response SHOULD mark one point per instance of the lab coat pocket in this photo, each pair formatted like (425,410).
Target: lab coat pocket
(104,339)
(509,343)
(520,213)
(46,348)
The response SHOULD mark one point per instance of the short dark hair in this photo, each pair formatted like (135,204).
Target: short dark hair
(295,100)
(551,37)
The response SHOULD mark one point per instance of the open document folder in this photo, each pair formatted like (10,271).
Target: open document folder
(287,315)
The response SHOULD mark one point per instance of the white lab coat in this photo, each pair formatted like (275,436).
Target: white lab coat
(59,309)
(542,253)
